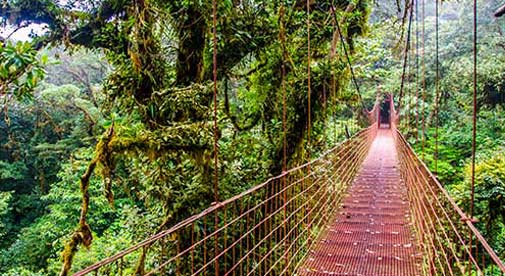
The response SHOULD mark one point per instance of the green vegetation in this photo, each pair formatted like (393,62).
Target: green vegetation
(107,132)
(453,167)
(117,142)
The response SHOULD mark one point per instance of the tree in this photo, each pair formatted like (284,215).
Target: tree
(159,136)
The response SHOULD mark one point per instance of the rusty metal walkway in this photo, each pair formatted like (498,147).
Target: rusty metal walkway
(373,232)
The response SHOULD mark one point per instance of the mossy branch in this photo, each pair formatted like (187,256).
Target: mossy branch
(83,233)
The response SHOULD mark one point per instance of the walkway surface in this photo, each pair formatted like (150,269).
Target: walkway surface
(372,234)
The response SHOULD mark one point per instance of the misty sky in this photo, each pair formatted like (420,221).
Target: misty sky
(21,34)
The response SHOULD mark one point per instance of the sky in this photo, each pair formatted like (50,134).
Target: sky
(21,34)
(24,33)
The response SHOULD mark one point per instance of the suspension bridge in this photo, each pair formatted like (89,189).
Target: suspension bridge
(368,206)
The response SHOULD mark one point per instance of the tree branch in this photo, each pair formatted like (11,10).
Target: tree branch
(500,11)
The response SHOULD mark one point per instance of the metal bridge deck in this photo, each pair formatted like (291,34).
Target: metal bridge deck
(372,234)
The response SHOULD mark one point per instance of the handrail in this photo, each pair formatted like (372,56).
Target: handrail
(272,226)
(351,150)
(420,168)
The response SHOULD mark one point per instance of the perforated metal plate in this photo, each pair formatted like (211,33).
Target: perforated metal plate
(372,234)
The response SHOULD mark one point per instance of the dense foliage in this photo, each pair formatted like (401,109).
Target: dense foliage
(116,142)
(452,148)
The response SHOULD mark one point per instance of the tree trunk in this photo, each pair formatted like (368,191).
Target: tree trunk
(192,40)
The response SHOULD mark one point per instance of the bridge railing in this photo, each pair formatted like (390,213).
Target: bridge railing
(450,242)
(266,230)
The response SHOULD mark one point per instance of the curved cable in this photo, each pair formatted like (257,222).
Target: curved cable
(339,30)
(405,57)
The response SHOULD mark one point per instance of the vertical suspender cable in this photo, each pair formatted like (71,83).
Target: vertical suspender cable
(309,119)
(214,61)
(474,123)
(333,77)
(423,91)
(408,86)
(216,165)
(408,103)
(437,82)
(324,110)
(417,71)
(282,37)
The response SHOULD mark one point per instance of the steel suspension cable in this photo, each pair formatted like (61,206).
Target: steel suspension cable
(333,56)
(474,119)
(309,110)
(342,40)
(405,58)
(282,37)
(437,82)
(408,91)
(333,79)
(423,88)
(417,71)
(309,91)
(216,165)
(214,73)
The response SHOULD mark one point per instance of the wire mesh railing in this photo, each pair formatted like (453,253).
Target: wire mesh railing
(266,230)
(450,242)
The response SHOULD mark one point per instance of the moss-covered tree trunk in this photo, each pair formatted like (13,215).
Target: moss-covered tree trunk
(192,40)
